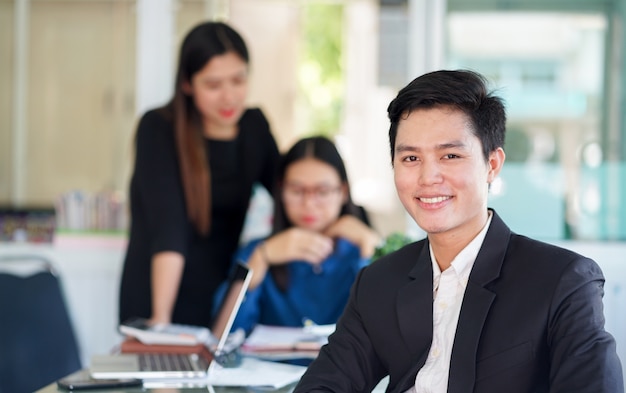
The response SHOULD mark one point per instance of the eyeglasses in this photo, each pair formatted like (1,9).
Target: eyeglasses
(293,194)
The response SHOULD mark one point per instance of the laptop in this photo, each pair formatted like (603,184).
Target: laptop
(151,366)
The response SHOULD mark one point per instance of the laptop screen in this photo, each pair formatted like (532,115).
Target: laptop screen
(238,283)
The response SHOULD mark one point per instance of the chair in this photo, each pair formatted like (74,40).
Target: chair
(37,340)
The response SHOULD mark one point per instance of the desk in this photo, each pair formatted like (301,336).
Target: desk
(53,388)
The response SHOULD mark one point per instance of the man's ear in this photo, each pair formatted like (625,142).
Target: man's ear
(496,160)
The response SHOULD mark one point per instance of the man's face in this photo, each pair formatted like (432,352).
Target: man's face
(440,172)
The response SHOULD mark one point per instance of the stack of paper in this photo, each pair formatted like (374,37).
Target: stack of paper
(256,372)
(280,342)
(253,373)
(165,334)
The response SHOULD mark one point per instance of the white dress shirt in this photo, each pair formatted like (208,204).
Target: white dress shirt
(448,291)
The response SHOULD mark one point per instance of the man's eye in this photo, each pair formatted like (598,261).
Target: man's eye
(410,158)
(450,156)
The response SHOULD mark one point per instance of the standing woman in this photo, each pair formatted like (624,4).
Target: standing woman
(196,161)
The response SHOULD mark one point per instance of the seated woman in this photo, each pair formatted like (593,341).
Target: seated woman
(319,242)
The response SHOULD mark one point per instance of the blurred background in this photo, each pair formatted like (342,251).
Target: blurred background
(75,75)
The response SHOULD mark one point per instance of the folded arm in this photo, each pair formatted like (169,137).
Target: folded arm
(357,232)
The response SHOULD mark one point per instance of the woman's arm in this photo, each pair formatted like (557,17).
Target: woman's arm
(259,265)
(162,206)
(167,271)
(293,244)
(355,231)
(297,244)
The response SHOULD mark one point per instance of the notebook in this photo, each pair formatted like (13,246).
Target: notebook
(153,366)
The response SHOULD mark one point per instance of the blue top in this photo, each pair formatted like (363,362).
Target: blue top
(315,293)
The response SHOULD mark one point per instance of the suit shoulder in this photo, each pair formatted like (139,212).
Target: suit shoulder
(546,254)
(401,260)
(534,246)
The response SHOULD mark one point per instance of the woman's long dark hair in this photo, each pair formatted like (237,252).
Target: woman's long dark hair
(201,44)
(322,149)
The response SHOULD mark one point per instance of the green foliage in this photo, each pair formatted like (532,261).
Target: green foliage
(321,66)
(392,243)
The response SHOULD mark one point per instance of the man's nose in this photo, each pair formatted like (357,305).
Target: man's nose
(429,173)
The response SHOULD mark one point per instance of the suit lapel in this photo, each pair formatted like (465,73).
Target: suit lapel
(414,307)
(476,304)
(415,304)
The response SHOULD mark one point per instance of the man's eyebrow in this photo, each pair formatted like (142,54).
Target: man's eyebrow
(402,147)
(451,145)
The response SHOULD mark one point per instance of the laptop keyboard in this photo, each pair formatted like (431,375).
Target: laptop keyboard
(165,362)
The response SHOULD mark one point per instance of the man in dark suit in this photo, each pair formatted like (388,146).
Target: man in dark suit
(473,307)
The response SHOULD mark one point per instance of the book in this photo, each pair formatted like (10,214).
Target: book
(132,345)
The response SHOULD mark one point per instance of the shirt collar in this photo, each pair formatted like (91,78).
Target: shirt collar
(464,261)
